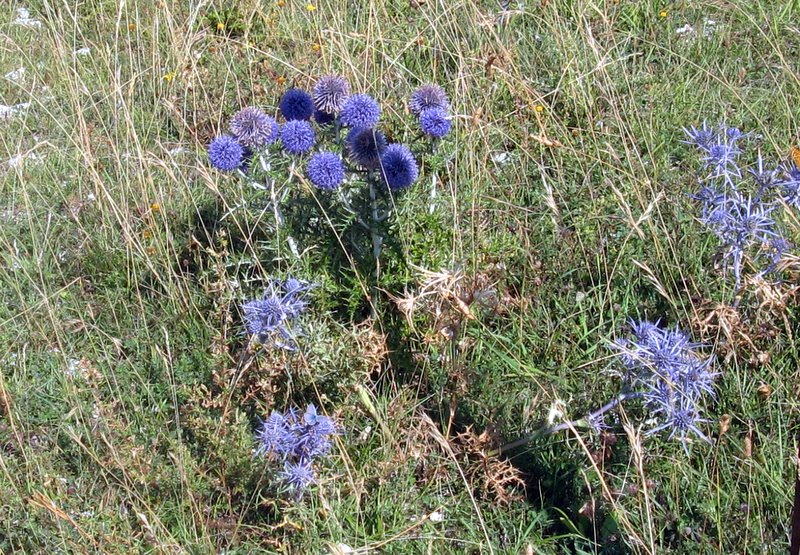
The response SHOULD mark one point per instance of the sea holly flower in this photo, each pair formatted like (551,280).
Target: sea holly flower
(297,136)
(743,222)
(268,319)
(330,93)
(365,147)
(253,128)
(398,167)
(296,104)
(670,375)
(298,475)
(360,110)
(428,96)
(297,441)
(435,122)
(325,170)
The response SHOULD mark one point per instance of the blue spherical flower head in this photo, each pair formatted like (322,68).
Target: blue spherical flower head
(365,147)
(225,153)
(435,122)
(297,137)
(296,104)
(330,92)
(325,170)
(253,128)
(360,110)
(399,167)
(426,97)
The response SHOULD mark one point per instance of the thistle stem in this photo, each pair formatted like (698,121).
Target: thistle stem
(550,429)
(377,239)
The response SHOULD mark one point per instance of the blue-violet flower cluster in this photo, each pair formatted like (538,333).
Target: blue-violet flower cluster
(269,318)
(667,371)
(432,108)
(296,441)
(743,220)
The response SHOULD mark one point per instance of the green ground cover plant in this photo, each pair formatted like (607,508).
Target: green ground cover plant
(315,355)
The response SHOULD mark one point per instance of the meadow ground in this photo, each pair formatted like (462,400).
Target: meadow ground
(129,395)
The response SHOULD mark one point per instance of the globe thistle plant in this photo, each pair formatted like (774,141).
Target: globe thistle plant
(297,136)
(226,153)
(365,147)
(253,128)
(357,164)
(360,110)
(435,122)
(296,104)
(398,167)
(325,170)
(330,93)
(426,97)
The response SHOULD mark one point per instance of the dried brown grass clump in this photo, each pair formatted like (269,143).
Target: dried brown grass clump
(494,478)
(446,299)
(748,330)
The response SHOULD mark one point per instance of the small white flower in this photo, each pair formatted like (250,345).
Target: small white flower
(556,412)
(82,51)
(436,516)
(8,112)
(16,75)
(24,19)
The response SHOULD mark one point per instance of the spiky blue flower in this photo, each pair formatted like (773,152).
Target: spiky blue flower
(428,96)
(296,440)
(360,110)
(330,93)
(743,222)
(272,438)
(325,170)
(435,122)
(297,136)
(789,185)
(225,153)
(365,146)
(269,318)
(298,475)
(253,128)
(701,137)
(671,375)
(296,104)
(398,167)
(720,149)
